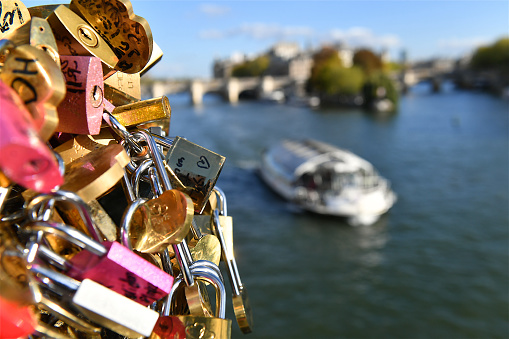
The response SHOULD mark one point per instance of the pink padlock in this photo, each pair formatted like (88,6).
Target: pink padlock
(24,159)
(112,265)
(81,111)
(123,271)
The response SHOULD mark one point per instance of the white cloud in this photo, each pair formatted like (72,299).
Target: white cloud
(260,31)
(353,37)
(361,36)
(212,34)
(463,43)
(214,10)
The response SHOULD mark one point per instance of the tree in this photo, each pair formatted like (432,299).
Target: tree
(379,86)
(252,68)
(333,79)
(324,61)
(495,56)
(368,61)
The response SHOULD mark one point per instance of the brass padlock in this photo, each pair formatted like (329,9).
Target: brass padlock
(128,34)
(161,221)
(143,112)
(36,33)
(198,326)
(41,36)
(15,15)
(97,172)
(157,54)
(75,36)
(197,168)
(35,76)
(128,84)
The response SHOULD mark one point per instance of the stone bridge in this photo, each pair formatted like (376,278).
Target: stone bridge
(229,88)
(434,71)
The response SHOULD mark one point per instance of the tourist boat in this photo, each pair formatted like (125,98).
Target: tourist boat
(328,180)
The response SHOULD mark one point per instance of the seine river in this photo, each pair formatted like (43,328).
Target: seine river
(435,266)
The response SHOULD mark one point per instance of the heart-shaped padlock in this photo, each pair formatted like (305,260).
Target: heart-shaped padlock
(162,221)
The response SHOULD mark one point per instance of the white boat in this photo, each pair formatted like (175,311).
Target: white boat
(325,179)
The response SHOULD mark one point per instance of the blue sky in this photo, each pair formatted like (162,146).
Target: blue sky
(193,33)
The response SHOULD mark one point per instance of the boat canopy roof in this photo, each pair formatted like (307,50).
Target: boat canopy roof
(298,157)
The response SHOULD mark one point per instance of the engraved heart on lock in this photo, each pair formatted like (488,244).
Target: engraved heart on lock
(162,221)
(203,163)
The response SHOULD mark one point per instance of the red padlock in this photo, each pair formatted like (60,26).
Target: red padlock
(15,320)
(81,111)
(25,159)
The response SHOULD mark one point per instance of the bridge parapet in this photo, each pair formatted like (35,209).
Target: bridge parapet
(229,88)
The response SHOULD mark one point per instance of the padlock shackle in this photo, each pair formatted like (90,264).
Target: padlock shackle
(222,201)
(184,259)
(73,198)
(204,274)
(207,264)
(156,158)
(229,258)
(125,226)
(68,233)
(121,131)
(137,176)
(155,183)
(208,275)
(57,277)
(67,316)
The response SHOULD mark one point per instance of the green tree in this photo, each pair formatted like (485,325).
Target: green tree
(326,57)
(252,68)
(368,61)
(331,78)
(378,84)
(495,56)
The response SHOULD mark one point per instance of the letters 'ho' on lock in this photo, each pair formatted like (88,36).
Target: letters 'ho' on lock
(129,35)
(25,159)
(197,168)
(81,111)
(40,84)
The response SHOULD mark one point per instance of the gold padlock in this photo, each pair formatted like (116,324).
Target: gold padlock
(129,35)
(128,84)
(74,36)
(37,79)
(37,32)
(97,172)
(116,97)
(143,112)
(41,36)
(15,16)
(81,145)
(157,54)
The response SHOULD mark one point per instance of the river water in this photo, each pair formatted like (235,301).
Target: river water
(435,266)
